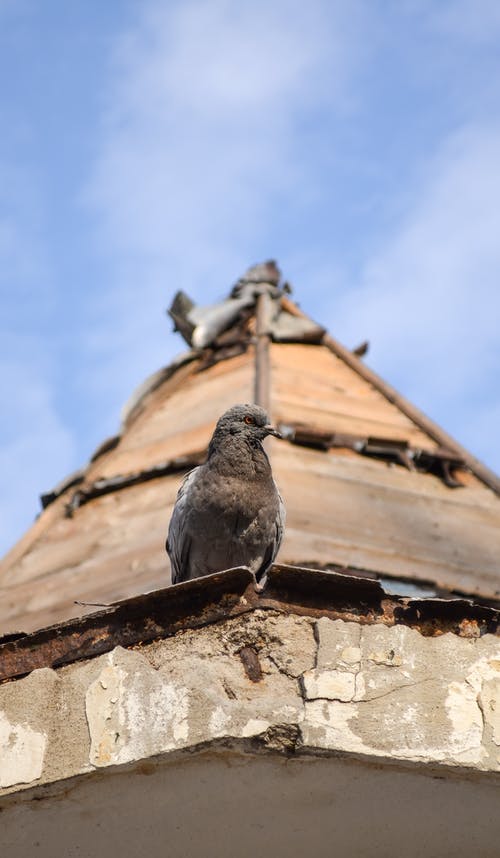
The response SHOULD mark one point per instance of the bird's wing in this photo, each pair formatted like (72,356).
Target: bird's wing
(178,540)
(280,526)
(275,542)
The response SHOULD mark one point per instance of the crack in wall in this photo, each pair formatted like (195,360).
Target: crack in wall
(451,722)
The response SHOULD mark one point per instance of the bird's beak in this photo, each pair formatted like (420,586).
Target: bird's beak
(270,430)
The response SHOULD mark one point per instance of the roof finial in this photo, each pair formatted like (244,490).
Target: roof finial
(202,326)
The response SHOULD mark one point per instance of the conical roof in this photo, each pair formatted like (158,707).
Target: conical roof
(371,485)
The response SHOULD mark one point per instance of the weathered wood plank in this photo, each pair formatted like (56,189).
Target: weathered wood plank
(312,385)
(364,513)
(180,422)
(341,507)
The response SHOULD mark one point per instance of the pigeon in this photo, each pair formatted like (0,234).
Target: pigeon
(229,511)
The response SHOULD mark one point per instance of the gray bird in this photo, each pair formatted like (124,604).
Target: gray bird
(228,511)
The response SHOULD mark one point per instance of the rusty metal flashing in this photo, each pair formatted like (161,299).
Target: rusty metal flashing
(130,622)
(396,585)
(441,462)
(203,601)
(485,474)
(112,484)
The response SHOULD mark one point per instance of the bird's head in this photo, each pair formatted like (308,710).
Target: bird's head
(249,422)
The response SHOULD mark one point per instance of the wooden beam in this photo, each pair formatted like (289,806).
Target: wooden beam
(262,389)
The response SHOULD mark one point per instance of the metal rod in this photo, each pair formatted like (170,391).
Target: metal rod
(262,393)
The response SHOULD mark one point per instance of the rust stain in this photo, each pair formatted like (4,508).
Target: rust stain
(215,598)
(112,484)
(250,661)
(441,462)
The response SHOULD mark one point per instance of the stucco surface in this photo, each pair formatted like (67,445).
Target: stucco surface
(226,803)
(264,680)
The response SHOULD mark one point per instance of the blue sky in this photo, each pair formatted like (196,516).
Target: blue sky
(151,146)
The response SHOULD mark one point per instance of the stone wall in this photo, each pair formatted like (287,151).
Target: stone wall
(264,680)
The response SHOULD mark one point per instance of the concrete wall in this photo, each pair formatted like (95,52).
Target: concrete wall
(235,804)
(264,680)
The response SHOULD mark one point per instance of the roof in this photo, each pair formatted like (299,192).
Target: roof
(371,485)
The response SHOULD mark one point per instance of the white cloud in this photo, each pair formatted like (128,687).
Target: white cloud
(195,148)
(198,147)
(429,298)
(216,57)
(200,120)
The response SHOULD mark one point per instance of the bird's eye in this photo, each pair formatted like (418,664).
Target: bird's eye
(249,420)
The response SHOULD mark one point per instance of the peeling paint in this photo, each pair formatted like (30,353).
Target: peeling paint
(390,659)
(254,727)
(351,655)
(360,686)
(466,722)
(132,714)
(328,725)
(490,703)
(331,684)
(372,690)
(22,753)
(219,719)
(102,717)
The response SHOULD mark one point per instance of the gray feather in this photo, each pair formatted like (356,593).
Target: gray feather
(228,511)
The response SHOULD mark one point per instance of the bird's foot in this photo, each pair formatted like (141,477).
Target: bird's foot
(260,584)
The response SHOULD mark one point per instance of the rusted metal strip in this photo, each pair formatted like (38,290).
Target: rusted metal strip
(251,664)
(133,621)
(314,593)
(313,586)
(112,484)
(485,474)
(193,604)
(477,467)
(440,462)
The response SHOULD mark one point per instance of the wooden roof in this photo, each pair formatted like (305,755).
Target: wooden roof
(368,482)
